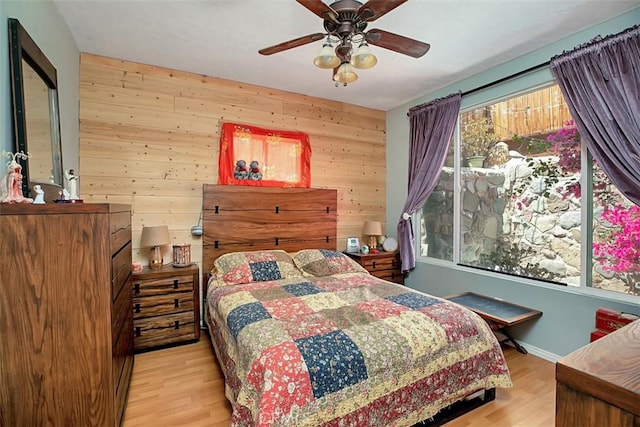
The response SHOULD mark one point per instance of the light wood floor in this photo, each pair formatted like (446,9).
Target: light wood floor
(183,386)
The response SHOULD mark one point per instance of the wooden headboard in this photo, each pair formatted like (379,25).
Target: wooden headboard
(243,218)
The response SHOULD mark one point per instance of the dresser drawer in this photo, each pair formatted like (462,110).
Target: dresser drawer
(161,286)
(163,330)
(122,350)
(162,304)
(120,270)
(120,228)
(120,311)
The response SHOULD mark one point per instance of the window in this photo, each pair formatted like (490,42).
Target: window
(516,197)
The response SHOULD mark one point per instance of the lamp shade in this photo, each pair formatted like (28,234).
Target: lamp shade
(372,228)
(363,58)
(326,58)
(345,74)
(155,236)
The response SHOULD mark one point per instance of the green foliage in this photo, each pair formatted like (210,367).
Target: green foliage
(477,138)
(549,171)
(510,258)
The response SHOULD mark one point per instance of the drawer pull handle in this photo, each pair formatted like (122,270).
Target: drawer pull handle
(137,308)
(138,331)
(176,324)
(136,288)
(176,303)
(175,284)
(374,265)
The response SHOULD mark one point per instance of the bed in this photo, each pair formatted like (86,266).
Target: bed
(306,337)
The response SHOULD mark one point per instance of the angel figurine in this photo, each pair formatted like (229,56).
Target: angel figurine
(11,185)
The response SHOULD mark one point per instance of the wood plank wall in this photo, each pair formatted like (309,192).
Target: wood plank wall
(149,137)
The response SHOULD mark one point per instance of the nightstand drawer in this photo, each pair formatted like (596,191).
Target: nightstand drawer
(161,286)
(386,263)
(165,307)
(162,304)
(162,330)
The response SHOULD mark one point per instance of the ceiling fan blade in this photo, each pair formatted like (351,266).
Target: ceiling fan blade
(374,9)
(300,41)
(321,9)
(397,43)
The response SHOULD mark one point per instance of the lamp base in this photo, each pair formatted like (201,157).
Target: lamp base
(373,242)
(155,259)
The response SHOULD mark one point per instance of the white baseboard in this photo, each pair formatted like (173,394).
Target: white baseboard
(531,349)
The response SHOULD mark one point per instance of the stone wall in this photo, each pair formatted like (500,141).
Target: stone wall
(540,225)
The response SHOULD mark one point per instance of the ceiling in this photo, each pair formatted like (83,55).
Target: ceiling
(221,38)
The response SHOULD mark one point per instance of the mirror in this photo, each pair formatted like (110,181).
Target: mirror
(36,119)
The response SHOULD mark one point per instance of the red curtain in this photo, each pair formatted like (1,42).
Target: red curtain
(283,157)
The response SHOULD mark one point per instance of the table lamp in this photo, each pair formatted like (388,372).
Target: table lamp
(373,229)
(154,237)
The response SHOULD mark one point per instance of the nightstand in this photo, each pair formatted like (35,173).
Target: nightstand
(165,306)
(385,265)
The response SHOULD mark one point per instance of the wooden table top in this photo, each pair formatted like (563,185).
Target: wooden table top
(495,309)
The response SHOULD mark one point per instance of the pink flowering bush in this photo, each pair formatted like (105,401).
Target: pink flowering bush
(566,142)
(618,250)
(624,250)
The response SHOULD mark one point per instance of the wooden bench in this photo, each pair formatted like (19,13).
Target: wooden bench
(498,313)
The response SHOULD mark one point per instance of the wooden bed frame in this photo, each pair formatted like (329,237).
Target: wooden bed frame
(246,218)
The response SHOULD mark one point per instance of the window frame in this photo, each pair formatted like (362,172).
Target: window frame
(510,90)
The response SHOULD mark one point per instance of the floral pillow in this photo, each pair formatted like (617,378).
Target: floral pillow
(323,262)
(258,266)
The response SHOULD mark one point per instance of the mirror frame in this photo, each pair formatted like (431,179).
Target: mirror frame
(22,46)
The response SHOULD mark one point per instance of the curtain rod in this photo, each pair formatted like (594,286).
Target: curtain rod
(504,79)
(500,80)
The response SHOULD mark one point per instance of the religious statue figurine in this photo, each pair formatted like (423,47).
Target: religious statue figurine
(39,200)
(11,185)
(72,184)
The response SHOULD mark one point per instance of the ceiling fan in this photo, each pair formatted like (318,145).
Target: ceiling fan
(345,22)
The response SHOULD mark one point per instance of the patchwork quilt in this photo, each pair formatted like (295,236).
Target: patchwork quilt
(346,349)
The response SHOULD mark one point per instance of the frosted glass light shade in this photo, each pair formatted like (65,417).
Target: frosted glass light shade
(326,58)
(363,58)
(345,74)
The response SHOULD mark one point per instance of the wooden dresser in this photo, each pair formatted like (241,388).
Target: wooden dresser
(385,265)
(599,384)
(165,306)
(66,325)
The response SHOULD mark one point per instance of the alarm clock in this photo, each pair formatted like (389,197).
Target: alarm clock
(353,245)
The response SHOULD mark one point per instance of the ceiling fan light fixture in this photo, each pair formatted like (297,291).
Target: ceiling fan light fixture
(326,58)
(345,74)
(363,58)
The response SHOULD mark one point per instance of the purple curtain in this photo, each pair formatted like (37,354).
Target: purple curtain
(431,129)
(601,84)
